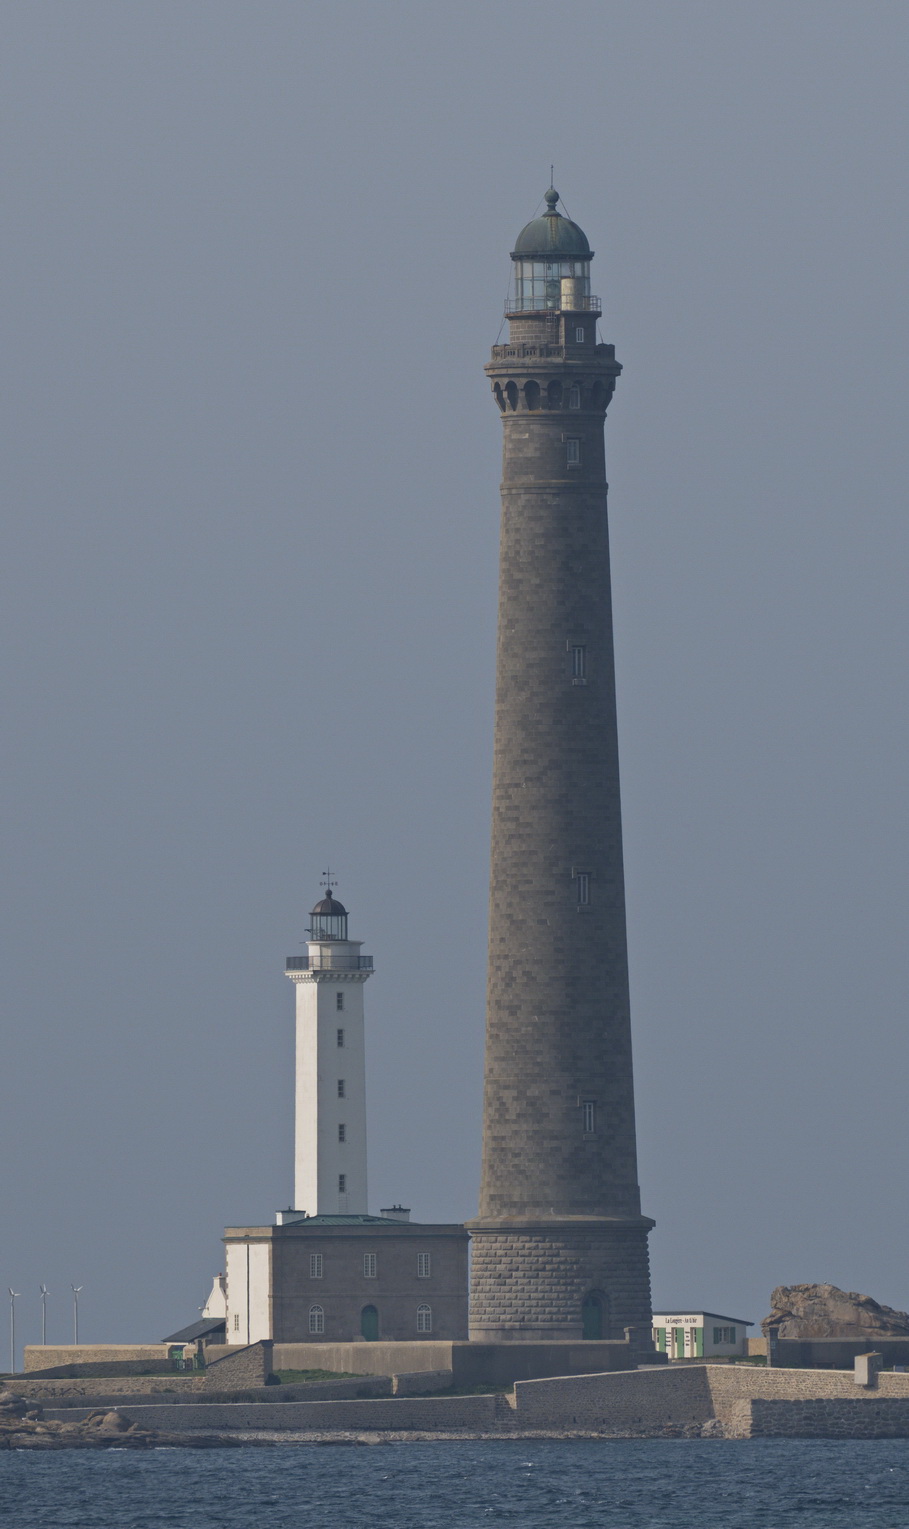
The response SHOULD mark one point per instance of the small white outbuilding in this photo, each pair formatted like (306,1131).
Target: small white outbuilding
(699,1334)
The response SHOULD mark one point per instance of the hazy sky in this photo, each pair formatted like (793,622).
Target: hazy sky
(256,257)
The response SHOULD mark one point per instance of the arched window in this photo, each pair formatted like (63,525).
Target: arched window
(316,1319)
(532,394)
(369,1324)
(424,1319)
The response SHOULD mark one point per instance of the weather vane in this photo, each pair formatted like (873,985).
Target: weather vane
(328,881)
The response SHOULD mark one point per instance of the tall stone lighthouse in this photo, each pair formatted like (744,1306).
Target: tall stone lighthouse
(559,1245)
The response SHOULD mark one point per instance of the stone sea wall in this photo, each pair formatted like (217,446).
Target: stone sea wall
(741,1400)
(419,1414)
(874,1418)
(722,1401)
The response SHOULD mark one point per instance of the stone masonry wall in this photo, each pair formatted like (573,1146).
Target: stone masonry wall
(427,1413)
(107,1387)
(558,1030)
(307,1391)
(422,1382)
(396,1290)
(473,1364)
(627,1399)
(734,1382)
(876,1418)
(363,1358)
(746,1403)
(92,1358)
(745,1400)
(532,1282)
(558,1026)
(239,1368)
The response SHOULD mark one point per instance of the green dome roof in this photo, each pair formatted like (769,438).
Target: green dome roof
(551,237)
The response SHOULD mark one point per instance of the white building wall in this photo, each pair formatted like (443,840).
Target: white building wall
(248,1291)
(740,1346)
(320,1156)
(216,1305)
(259,1291)
(703,1324)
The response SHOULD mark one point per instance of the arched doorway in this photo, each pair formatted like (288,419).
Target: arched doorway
(369,1323)
(592,1315)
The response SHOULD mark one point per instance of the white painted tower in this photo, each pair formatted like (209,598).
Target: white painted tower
(330,1107)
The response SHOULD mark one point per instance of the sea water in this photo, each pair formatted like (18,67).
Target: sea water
(585,1484)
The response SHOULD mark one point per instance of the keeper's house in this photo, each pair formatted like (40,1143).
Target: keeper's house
(699,1334)
(342,1279)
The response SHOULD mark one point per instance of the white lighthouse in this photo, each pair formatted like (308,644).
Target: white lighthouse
(330,1104)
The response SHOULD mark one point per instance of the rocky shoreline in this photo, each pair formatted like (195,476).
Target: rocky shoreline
(23,1426)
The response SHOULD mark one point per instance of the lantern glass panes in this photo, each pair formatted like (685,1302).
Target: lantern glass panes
(538,283)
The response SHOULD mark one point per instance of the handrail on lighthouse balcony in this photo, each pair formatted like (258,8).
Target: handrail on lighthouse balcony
(523,352)
(577,304)
(328,963)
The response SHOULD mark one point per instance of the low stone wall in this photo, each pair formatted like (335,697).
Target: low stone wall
(422,1382)
(629,1399)
(501,1364)
(230,1368)
(360,1358)
(107,1387)
(472,1364)
(837,1353)
(94,1358)
(429,1414)
(314,1390)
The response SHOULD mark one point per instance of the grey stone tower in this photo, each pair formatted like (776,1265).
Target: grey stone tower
(559,1245)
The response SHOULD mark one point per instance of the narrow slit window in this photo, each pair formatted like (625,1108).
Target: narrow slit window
(590,1117)
(340,1037)
(342,1133)
(574,396)
(342,1183)
(579,661)
(573,456)
(236,1321)
(579,336)
(341,1090)
(339,1001)
(315,1265)
(370,1265)
(583,881)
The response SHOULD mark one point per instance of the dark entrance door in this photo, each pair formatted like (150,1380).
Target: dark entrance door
(369,1323)
(592,1315)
